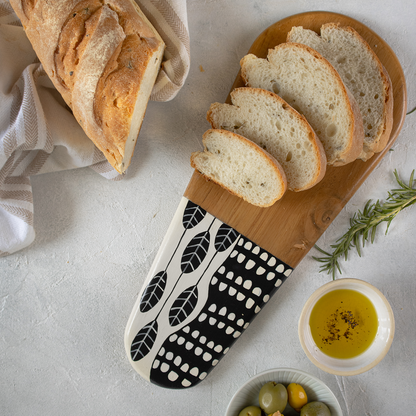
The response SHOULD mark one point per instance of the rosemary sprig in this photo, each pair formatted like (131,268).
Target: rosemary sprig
(363,224)
(411,111)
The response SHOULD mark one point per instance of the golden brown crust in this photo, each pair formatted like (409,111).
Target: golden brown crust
(28,6)
(70,46)
(99,54)
(119,87)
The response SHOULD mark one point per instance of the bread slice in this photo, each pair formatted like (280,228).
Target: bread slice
(240,166)
(270,122)
(103,57)
(362,73)
(310,84)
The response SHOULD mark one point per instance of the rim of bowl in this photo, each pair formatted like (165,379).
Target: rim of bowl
(288,369)
(314,298)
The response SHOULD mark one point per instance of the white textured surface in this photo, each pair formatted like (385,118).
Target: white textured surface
(65,301)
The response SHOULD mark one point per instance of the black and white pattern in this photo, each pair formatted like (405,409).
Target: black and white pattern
(193,310)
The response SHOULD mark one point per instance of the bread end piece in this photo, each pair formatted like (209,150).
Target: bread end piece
(241,167)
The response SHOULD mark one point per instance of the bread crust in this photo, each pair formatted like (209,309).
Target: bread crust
(269,159)
(101,56)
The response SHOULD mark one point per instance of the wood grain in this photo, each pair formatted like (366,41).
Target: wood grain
(291,227)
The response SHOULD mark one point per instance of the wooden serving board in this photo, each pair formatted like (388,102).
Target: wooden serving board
(222,258)
(302,217)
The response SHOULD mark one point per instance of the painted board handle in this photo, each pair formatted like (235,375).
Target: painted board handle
(205,286)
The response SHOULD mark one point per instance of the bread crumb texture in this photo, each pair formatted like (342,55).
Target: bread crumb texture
(362,73)
(311,86)
(241,167)
(272,124)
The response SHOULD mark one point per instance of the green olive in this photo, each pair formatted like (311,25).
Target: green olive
(273,397)
(315,409)
(250,411)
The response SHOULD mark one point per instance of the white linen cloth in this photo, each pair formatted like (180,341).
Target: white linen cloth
(38,133)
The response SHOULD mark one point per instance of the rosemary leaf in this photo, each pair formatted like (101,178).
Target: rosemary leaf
(411,111)
(363,224)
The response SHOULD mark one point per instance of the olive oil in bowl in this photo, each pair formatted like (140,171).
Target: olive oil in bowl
(343,323)
(346,327)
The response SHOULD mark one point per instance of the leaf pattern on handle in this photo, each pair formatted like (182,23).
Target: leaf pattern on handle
(225,237)
(183,305)
(195,252)
(144,341)
(153,292)
(192,215)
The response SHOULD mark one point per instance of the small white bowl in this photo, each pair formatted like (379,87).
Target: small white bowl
(315,389)
(369,358)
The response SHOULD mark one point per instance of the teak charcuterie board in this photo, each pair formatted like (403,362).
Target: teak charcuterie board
(302,217)
(222,258)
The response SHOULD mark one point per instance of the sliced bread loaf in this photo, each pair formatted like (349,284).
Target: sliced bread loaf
(241,167)
(310,84)
(362,73)
(270,122)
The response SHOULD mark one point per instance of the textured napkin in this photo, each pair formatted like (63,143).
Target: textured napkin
(39,134)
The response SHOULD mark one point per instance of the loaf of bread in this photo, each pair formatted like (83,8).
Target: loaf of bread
(362,73)
(310,84)
(267,120)
(240,166)
(103,57)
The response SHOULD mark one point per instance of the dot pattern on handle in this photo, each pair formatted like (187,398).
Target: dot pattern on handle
(238,291)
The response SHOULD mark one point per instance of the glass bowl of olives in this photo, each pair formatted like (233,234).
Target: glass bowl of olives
(346,327)
(277,389)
